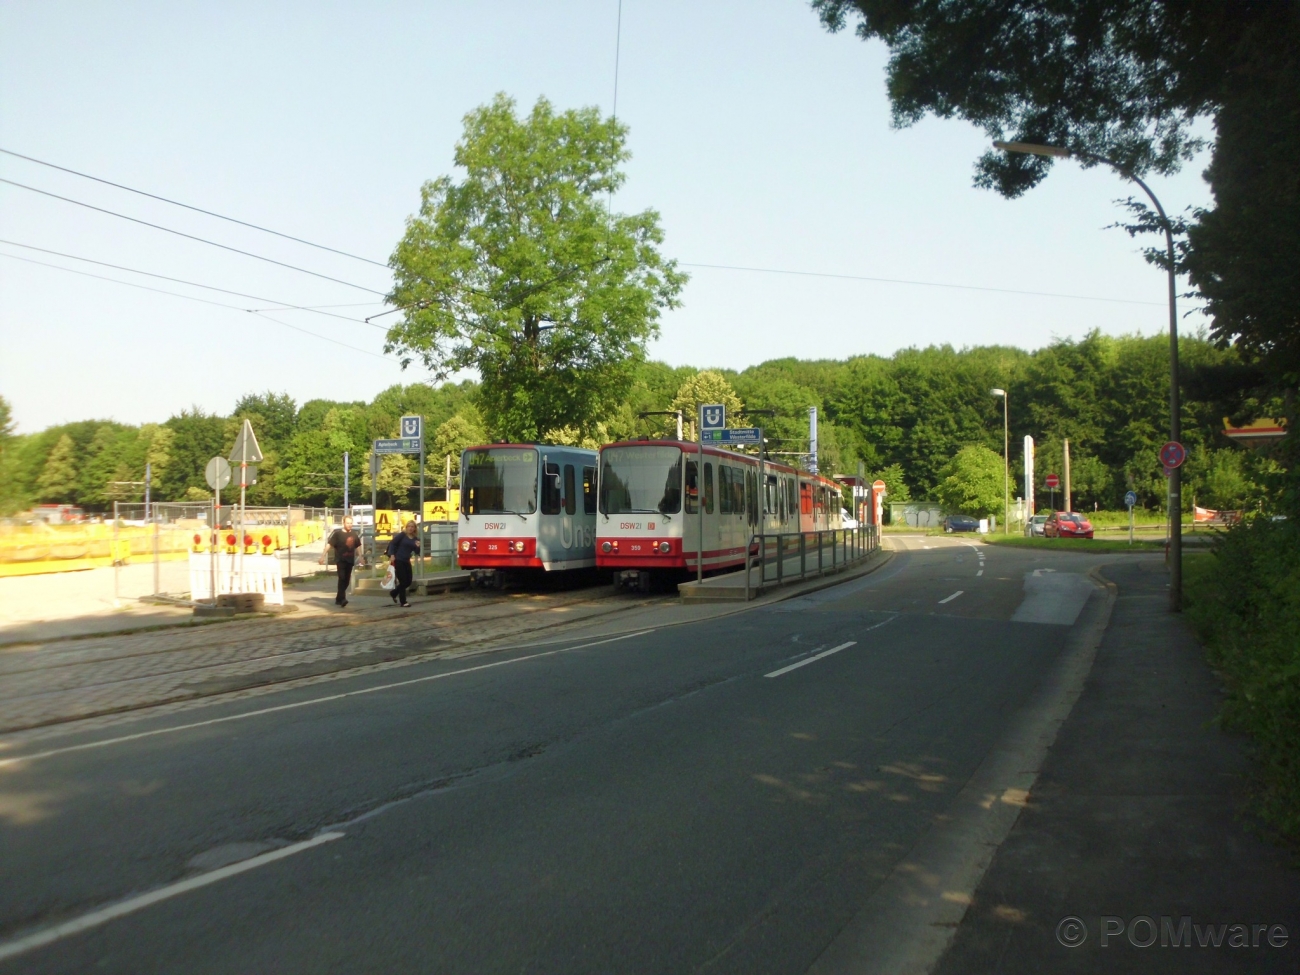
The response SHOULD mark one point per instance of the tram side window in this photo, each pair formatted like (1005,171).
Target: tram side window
(708,488)
(570,491)
(737,490)
(589,490)
(551,490)
(770,507)
(692,489)
(724,490)
(751,496)
(805,499)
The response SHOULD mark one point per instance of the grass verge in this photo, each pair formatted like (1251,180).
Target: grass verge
(1085,545)
(1244,599)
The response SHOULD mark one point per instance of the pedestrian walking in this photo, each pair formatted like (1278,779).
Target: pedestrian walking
(400,550)
(346,544)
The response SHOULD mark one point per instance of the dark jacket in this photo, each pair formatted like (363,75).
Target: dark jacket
(403,546)
(346,545)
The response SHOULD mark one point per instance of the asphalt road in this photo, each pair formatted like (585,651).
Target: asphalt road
(718,796)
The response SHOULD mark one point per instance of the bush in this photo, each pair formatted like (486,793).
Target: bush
(1244,599)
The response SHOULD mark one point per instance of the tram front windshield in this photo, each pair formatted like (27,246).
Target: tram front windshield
(499,480)
(641,480)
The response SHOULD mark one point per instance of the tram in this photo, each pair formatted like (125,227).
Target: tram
(649,519)
(526,508)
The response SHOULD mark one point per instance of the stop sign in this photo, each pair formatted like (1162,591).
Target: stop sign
(1052,481)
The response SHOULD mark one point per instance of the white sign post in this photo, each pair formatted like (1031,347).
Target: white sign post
(713,416)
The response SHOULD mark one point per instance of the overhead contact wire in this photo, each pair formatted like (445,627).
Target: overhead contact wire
(187,206)
(201,240)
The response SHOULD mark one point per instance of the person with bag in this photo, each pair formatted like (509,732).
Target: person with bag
(346,544)
(400,550)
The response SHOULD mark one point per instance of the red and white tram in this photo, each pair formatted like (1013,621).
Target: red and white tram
(649,520)
(526,508)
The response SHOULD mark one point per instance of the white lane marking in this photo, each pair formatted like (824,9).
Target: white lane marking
(952,597)
(808,660)
(980,572)
(302,704)
(58,932)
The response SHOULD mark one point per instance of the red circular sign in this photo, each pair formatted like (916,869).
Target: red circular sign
(1172,454)
(1052,481)
(878,485)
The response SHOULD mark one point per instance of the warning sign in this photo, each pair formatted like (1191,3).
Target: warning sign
(384,521)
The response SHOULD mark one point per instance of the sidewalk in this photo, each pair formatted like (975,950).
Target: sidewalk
(1137,814)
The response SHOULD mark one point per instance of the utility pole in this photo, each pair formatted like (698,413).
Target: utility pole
(1175,399)
(1066,447)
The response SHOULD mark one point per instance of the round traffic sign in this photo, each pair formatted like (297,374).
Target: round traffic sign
(1172,454)
(217,473)
(1130,499)
(878,485)
(1052,481)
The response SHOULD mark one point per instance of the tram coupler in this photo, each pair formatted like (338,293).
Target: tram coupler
(637,580)
(487,579)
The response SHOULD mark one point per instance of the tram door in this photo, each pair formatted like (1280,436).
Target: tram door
(568,535)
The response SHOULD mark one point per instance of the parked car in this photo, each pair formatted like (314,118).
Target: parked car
(1067,524)
(961,523)
(1035,525)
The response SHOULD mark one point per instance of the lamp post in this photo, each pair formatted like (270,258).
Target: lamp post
(1175,407)
(1006,461)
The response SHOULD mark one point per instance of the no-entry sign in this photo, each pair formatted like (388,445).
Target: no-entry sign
(1052,481)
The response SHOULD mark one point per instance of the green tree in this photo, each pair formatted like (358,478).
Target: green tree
(520,272)
(896,489)
(10,492)
(197,437)
(972,483)
(463,430)
(58,481)
(707,386)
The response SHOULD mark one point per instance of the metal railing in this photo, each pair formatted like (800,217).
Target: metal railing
(817,552)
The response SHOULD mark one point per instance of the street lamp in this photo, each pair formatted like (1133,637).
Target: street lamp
(1175,408)
(1006,461)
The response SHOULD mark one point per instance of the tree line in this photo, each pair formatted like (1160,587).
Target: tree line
(924,420)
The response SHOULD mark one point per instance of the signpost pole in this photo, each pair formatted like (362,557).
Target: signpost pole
(117,559)
(699,505)
(1130,526)
(762,521)
(345,483)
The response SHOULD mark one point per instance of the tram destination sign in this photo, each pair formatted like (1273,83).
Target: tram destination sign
(734,435)
(398,445)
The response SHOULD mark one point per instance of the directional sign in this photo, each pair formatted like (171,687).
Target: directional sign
(1052,481)
(1172,454)
(734,435)
(217,473)
(413,426)
(1130,499)
(398,445)
(713,416)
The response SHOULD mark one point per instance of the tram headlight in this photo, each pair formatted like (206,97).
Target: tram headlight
(606,547)
(464,544)
(665,547)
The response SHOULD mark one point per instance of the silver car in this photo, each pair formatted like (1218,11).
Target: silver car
(1035,526)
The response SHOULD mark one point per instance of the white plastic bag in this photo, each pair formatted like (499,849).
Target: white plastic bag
(390,579)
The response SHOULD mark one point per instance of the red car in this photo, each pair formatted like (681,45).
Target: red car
(1067,524)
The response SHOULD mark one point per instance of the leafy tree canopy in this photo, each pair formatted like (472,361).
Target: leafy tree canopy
(520,271)
(972,482)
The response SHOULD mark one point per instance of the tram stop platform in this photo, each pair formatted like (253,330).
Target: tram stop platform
(730,586)
(433,582)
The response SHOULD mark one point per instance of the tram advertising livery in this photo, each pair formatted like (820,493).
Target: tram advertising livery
(526,508)
(649,521)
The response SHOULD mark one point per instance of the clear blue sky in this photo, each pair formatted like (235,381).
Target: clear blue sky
(761,139)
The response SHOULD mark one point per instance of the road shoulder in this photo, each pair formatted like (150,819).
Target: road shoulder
(1136,817)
